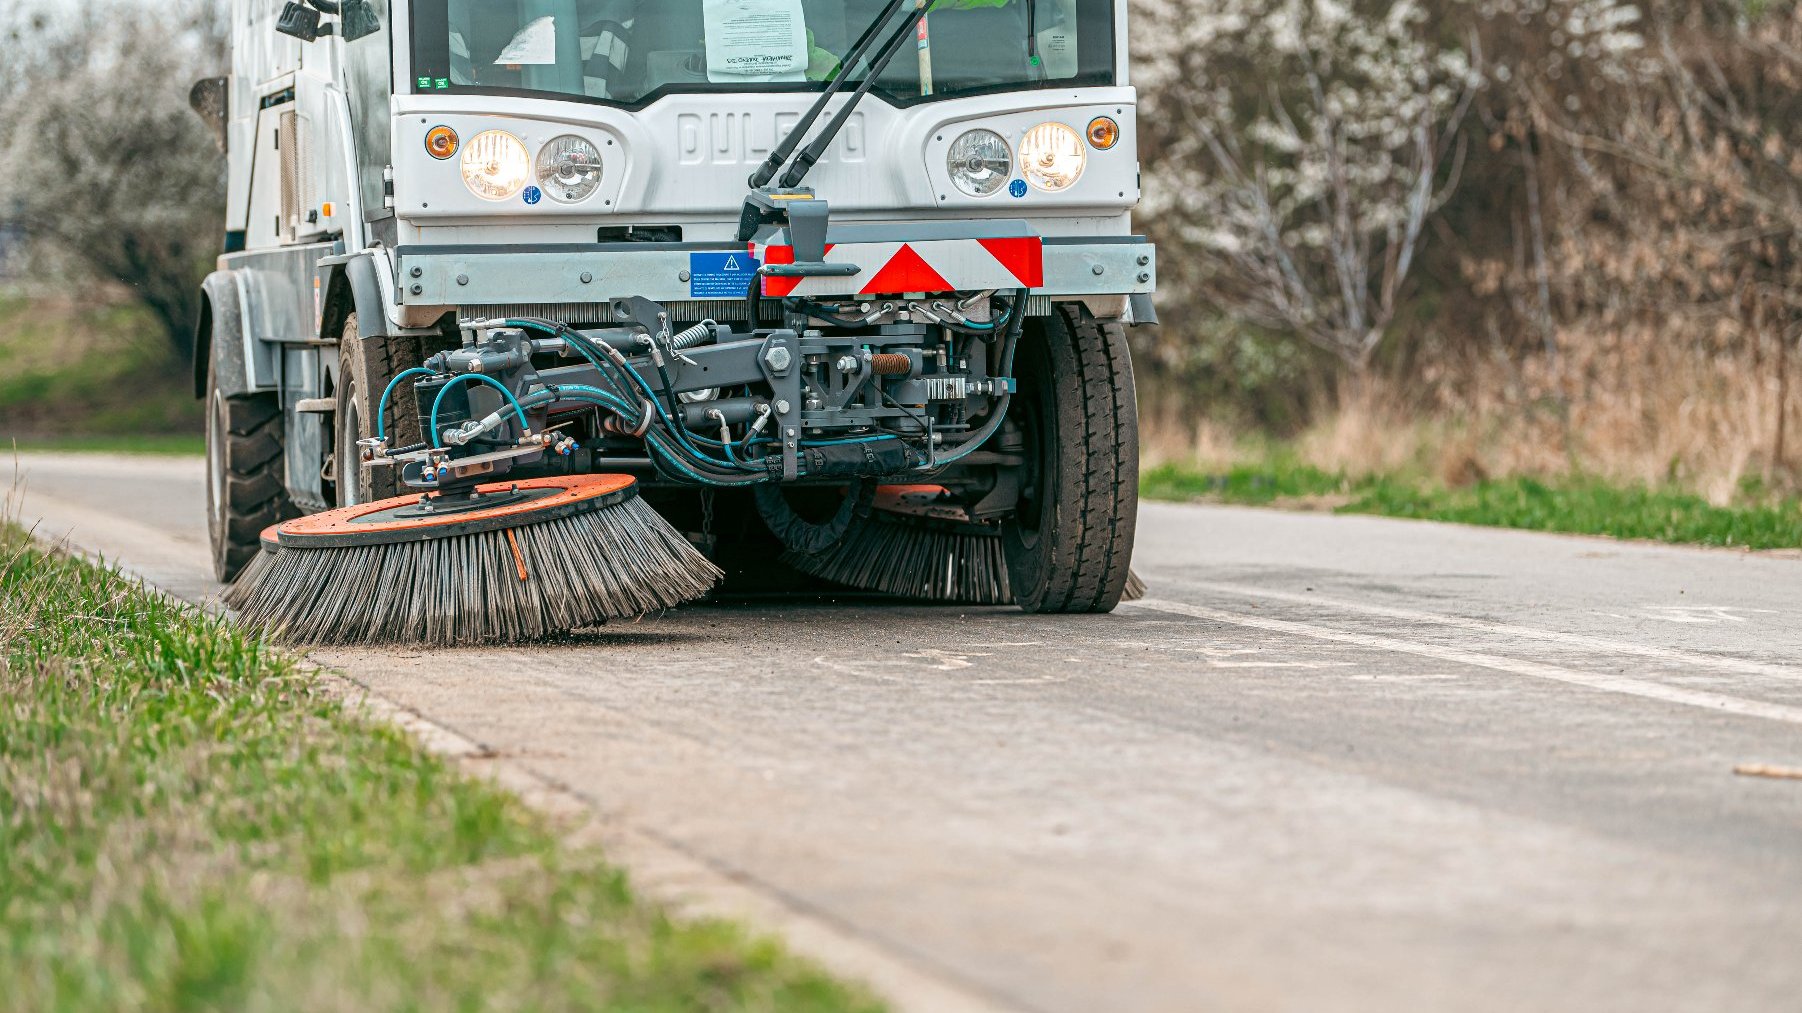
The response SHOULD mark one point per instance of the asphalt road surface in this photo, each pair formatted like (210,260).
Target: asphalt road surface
(1331,763)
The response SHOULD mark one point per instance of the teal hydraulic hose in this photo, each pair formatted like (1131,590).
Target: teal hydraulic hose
(381,407)
(432,437)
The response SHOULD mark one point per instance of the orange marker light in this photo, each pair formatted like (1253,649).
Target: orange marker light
(1104,133)
(326,209)
(441,142)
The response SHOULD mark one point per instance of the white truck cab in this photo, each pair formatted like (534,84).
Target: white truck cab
(413,177)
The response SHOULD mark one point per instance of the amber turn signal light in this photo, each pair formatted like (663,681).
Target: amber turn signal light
(1104,133)
(441,142)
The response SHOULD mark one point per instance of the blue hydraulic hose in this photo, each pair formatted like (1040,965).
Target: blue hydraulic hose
(651,439)
(433,437)
(381,407)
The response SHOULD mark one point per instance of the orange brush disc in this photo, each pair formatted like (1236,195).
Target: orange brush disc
(412,518)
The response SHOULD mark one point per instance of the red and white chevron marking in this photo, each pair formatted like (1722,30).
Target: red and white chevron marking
(939,265)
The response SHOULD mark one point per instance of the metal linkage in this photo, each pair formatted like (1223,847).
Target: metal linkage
(710,405)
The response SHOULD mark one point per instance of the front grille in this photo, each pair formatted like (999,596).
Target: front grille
(721,310)
(687,312)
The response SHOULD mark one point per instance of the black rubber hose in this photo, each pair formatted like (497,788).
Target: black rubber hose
(754,303)
(798,534)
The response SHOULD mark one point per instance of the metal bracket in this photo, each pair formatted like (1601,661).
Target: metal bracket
(807,222)
(780,360)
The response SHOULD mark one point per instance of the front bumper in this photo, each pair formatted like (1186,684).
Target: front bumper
(475,276)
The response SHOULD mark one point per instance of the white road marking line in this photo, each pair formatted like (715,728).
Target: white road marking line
(1701,613)
(1716,702)
(1739,665)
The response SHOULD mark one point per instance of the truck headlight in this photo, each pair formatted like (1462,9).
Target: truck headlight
(495,165)
(1052,157)
(980,163)
(569,169)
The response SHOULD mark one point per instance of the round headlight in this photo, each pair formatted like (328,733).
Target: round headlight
(1052,157)
(495,165)
(569,169)
(980,163)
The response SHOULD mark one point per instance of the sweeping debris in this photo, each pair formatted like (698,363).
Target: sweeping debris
(499,562)
(535,336)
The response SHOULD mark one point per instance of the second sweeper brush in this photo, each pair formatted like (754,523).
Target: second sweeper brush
(912,543)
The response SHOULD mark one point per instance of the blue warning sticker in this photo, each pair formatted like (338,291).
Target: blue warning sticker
(1017,188)
(720,275)
(533,195)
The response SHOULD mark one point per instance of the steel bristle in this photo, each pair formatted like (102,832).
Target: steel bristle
(238,591)
(924,560)
(617,562)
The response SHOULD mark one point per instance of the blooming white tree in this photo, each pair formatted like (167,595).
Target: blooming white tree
(1296,151)
(102,164)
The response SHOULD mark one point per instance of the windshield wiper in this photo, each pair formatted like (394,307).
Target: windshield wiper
(773,164)
(811,154)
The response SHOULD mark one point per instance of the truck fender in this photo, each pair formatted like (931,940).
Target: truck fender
(219,338)
(351,284)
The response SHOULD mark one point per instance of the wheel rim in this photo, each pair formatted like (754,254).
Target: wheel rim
(215,463)
(350,464)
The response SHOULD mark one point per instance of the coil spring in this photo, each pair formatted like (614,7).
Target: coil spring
(890,364)
(689,337)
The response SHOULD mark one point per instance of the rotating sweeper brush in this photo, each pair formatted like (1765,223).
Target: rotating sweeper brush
(238,593)
(915,542)
(496,563)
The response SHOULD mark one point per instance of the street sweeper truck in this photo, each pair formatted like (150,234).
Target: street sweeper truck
(538,312)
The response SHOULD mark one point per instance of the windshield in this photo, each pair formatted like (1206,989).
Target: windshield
(629,52)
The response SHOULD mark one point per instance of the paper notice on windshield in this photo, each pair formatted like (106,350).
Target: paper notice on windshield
(534,46)
(755,40)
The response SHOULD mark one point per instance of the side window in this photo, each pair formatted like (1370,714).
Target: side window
(368,72)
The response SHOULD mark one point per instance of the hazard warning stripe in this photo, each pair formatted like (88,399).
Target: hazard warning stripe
(946,265)
(906,271)
(1024,257)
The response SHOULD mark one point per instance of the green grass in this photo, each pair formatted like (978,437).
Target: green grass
(163,444)
(99,367)
(1575,506)
(187,821)
(1253,484)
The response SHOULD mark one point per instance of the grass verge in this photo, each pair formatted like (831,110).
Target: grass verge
(187,821)
(156,444)
(95,366)
(1756,520)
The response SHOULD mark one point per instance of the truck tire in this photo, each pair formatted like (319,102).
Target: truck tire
(1069,542)
(365,366)
(246,490)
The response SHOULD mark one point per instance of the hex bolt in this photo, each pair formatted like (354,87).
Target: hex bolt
(778,358)
(782,407)
(847,363)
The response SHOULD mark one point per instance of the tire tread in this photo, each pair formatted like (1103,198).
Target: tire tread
(1090,552)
